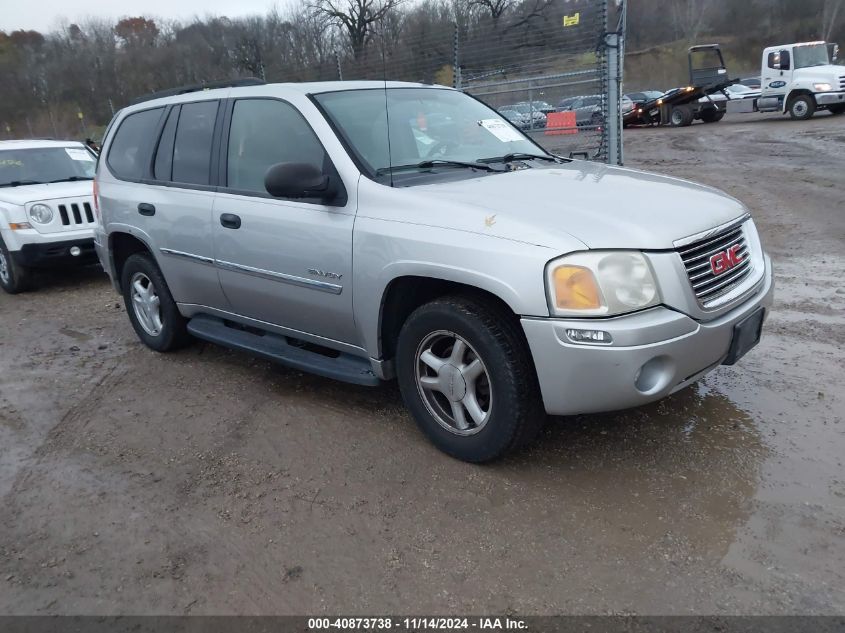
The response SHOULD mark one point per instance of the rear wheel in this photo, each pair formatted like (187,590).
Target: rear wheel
(802,107)
(467,377)
(712,115)
(13,277)
(681,117)
(837,109)
(150,306)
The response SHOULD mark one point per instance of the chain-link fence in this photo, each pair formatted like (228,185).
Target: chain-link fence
(554,71)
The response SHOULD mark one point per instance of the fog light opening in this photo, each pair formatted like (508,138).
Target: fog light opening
(75,251)
(589,337)
(655,375)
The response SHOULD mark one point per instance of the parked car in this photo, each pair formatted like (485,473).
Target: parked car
(587,110)
(522,121)
(755,83)
(740,91)
(542,106)
(563,104)
(536,117)
(46,214)
(494,281)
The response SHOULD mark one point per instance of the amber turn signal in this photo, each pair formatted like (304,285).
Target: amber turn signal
(576,289)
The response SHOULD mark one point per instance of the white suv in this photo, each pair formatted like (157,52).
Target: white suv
(47,214)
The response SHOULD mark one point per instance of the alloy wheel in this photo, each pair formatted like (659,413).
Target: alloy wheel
(146,304)
(454,383)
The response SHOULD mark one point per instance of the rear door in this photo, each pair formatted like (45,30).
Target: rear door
(283,262)
(179,200)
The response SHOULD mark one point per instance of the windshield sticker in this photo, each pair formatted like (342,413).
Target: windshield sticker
(501,130)
(79,154)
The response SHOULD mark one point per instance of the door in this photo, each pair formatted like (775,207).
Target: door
(777,73)
(281,261)
(179,201)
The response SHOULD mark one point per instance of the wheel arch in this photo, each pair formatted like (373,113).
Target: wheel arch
(797,92)
(122,245)
(406,293)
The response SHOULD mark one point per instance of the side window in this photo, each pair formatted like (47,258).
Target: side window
(192,146)
(774,60)
(163,166)
(265,132)
(129,151)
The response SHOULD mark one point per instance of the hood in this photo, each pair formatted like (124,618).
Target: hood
(823,74)
(39,193)
(600,206)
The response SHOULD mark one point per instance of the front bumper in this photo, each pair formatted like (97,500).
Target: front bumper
(830,98)
(655,353)
(55,254)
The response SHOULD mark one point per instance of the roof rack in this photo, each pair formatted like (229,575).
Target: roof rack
(207,85)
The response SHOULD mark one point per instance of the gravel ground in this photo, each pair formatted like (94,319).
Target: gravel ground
(207,482)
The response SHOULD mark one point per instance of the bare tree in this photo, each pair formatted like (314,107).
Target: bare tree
(356,17)
(830,16)
(690,17)
(494,8)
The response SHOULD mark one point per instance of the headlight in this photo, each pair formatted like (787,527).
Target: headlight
(822,87)
(600,283)
(41,213)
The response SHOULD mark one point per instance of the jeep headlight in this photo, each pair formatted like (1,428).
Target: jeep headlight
(600,283)
(41,214)
(823,87)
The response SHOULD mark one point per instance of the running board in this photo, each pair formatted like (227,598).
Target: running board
(277,348)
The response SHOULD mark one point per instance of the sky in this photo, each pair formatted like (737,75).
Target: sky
(46,15)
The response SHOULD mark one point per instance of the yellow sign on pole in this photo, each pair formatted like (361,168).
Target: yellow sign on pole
(80,115)
(572,20)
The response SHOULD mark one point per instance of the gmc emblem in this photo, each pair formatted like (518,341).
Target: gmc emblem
(722,262)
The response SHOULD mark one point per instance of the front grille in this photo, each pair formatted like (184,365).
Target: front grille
(842,82)
(707,285)
(76,214)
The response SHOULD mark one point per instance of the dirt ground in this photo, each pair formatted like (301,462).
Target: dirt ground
(207,482)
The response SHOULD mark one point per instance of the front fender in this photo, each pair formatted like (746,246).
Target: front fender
(386,250)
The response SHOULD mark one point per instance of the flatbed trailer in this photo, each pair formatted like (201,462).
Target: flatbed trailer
(681,106)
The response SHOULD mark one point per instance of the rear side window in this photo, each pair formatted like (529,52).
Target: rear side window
(265,132)
(129,151)
(192,147)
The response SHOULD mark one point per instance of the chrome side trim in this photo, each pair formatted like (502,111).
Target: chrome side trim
(289,279)
(686,241)
(191,256)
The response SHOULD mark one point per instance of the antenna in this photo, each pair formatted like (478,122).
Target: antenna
(386,108)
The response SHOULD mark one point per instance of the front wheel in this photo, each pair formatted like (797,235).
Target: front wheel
(13,277)
(802,107)
(150,306)
(467,377)
(837,109)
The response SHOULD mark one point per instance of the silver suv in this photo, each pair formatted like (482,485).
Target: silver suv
(370,231)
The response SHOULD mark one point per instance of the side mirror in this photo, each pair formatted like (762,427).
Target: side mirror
(299,180)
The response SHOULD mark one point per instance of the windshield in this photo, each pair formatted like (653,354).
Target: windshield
(426,124)
(45,164)
(808,56)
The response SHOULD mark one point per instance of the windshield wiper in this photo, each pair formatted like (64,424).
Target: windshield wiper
(69,179)
(428,164)
(18,183)
(509,158)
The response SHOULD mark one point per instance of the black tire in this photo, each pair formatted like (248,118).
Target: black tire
(837,109)
(712,115)
(802,107)
(515,412)
(172,333)
(14,278)
(681,117)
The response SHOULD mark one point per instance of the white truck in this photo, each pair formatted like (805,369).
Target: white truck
(798,79)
